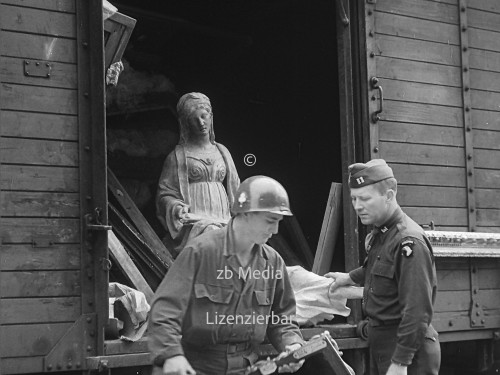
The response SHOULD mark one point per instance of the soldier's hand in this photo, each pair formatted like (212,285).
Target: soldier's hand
(291,367)
(177,365)
(395,369)
(339,279)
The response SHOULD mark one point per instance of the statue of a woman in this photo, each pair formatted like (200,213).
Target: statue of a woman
(199,179)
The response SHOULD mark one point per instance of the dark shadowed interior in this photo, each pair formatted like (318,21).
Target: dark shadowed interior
(270,70)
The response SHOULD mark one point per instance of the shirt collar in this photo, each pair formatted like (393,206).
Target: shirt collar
(395,217)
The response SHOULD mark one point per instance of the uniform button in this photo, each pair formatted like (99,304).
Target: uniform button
(378,257)
(371,289)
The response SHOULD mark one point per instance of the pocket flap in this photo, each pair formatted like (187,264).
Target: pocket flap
(214,293)
(263,297)
(383,269)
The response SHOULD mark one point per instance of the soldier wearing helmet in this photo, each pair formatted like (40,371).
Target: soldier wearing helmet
(227,291)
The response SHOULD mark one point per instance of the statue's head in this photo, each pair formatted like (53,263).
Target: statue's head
(189,106)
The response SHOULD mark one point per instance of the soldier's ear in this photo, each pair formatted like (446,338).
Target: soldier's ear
(390,194)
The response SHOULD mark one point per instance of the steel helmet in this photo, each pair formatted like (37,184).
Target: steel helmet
(261,193)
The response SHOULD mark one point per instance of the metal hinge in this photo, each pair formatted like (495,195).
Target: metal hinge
(477,318)
(34,68)
(93,221)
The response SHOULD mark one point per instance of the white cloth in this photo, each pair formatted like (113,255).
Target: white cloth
(315,302)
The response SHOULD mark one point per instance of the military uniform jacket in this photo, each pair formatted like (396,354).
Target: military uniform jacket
(207,298)
(399,278)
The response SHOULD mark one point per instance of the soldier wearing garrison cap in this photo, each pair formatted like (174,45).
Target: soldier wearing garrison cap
(398,275)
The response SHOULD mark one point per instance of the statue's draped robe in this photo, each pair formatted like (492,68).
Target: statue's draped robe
(174,190)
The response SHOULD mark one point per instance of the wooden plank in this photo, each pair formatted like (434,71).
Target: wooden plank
(495,229)
(57,5)
(61,74)
(22,365)
(460,300)
(40,283)
(488,5)
(38,21)
(329,231)
(24,230)
(127,266)
(482,80)
(452,228)
(452,2)
(422,154)
(424,134)
(460,323)
(484,39)
(440,216)
(488,217)
(435,11)
(432,196)
(487,159)
(447,264)
(147,261)
(429,175)
(488,120)
(15,177)
(417,71)
(483,20)
(38,99)
(484,60)
(138,219)
(421,93)
(39,152)
(410,27)
(485,100)
(417,50)
(487,178)
(39,125)
(489,278)
(30,340)
(488,198)
(38,47)
(33,204)
(422,113)
(453,280)
(487,139)
(39,310)
(27,257)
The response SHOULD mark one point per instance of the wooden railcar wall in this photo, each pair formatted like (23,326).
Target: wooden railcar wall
(430,67)
(40,287)
(452,309)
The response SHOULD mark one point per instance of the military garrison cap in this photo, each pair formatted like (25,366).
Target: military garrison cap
(361,174)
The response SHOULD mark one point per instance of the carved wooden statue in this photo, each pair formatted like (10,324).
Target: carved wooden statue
(199,179)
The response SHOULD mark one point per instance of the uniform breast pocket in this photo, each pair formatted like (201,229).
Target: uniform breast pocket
(383,282)
(213,293)
(264,300)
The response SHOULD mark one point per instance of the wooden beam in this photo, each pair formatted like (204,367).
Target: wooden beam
(329,231)
(138,219)
(126,264)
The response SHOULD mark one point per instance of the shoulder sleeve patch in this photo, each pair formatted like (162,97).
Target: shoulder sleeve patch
(406,247)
